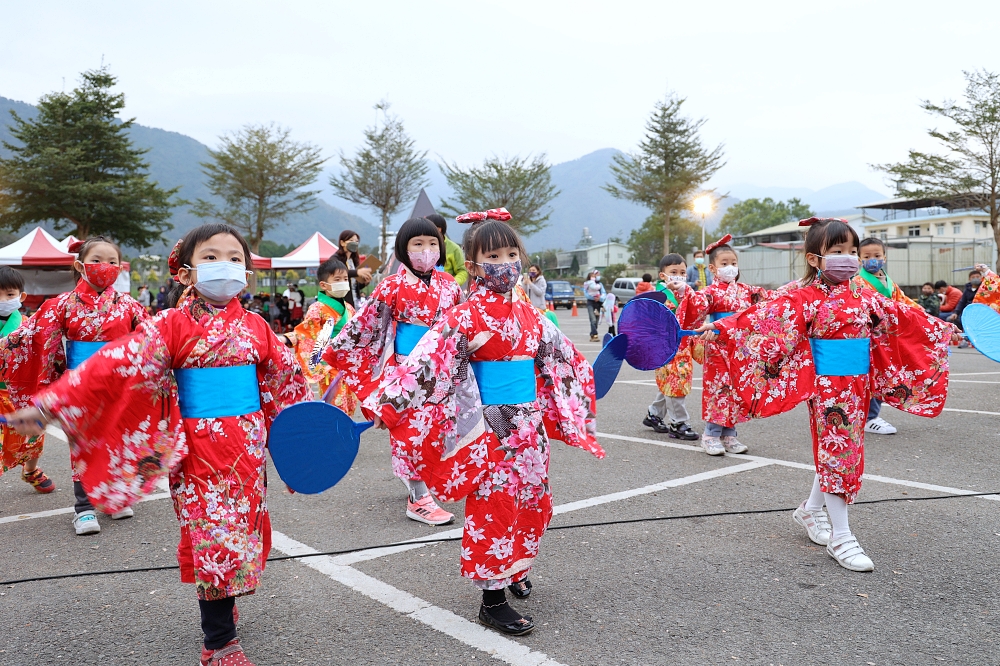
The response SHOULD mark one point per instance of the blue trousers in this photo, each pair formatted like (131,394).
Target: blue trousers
(874,407)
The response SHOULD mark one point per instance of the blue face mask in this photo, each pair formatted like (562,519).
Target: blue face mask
(873,266)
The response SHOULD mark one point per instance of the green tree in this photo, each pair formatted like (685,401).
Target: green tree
(269,248)
(292,275)
(574,266)
(753,215)
(74,164)
(386,171)
(646,242)
(522,185)
(670,165)
(259,175)
(967,172)
(611,273)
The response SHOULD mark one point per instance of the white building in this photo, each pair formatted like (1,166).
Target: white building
(590,256)
(943,220)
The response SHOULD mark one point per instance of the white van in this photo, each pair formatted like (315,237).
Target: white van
(624,288)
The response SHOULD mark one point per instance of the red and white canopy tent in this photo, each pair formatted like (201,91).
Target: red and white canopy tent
(310,254)
(43,262)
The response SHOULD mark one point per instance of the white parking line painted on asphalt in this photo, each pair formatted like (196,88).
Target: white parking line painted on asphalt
(969,381)
(436,618)
(67,509)
(971,411)
(969,374)
(798,465)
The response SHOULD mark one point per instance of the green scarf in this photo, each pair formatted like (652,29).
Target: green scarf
(12,324)
(662,286)
(337,307)
(884,289)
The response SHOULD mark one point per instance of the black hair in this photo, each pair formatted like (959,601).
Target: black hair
(646,277)
(671,259)
(344,235)
(927,284)
(871,240)
(439,222)
(11,279)
(84,247)
(191,241)
(413,227)
(329,267)
(940,284)
(491,235)
(721,249)
(821,235)
(976,272)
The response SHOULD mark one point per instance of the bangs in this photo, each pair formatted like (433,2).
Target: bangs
(413,227)
(839,232)
(490,236)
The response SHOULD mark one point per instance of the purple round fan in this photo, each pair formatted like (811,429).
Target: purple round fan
(653,333)
(655,295)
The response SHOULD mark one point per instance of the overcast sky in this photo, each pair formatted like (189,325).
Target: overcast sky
(802,94)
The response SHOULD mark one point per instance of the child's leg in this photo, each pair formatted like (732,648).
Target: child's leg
(811,515)
(676,410)
(82,501)
(416,488)
(217,621)
(837,508)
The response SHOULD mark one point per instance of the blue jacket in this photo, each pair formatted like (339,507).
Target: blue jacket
(693,277)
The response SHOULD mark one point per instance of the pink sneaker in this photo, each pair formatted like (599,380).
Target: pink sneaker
(425,510)
(229,655)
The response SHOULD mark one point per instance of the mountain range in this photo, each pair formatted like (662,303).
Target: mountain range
(174,160)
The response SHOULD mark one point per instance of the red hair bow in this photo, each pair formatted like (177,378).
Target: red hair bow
(174,260)
(722,241)
(75,247)
(491,214)
(813,220)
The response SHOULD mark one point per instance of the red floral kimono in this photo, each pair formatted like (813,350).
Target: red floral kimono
(34,355)
(365,349)
(15,449)
(674,378)
(717,402)
(324,310)
(125,435)
(772,367)
(495,457)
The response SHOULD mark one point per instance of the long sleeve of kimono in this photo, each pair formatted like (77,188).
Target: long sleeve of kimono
(566,391)
(117,413)
(909,356)
(693,307)
(360,349)
(282,382)
(770,362)
(33,356)
(989,291)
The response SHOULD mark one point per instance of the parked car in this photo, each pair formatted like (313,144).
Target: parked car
(624,288)
(560,292)
(581,298)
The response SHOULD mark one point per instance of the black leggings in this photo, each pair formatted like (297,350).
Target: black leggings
(217,622)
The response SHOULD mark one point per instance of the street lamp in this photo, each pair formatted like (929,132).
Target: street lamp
(703,205)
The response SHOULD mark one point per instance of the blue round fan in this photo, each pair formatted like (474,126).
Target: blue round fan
(653,333)
(313,445)
(982,326)
(609,364)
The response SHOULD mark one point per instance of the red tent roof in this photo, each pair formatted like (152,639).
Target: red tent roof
(260,262)
(310,254)
(38,248)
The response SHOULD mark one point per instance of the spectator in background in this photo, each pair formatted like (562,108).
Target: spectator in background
(971,287)
(594,291)
(161,299)
(534,284)
(949,298)
(454,258)
(358,277)
(645,285)
(928,300)
(698,277)
(145,298)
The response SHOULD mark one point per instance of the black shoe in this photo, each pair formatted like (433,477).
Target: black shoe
(517,628)
(521,589)
(682,431)
(656,423)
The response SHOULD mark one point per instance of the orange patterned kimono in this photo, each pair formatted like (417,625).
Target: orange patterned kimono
(322,311)
(674,379)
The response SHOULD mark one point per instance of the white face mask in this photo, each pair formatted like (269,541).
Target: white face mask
(7,308)
(675,279)
(220,281)
(338,289)
(727,273)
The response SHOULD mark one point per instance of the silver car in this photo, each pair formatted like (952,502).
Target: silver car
(624,288)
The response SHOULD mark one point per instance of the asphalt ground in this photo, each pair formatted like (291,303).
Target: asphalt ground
(715,590)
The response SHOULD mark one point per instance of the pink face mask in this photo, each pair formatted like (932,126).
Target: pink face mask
(424,261)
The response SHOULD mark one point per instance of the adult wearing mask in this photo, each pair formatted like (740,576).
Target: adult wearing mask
(969,293)
(594,291)
(349,242)
(698,277)
(454,258)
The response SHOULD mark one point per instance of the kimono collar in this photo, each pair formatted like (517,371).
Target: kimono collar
(89,295)
(884,289)
(331,303)
(13,322)
(198,308)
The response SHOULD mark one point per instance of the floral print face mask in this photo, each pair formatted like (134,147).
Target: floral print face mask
(500,278)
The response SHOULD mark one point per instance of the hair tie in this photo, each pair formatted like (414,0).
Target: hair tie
(491,214)
(722,241)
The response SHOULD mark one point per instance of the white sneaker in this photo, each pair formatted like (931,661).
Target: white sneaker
(849,554)
(817,524)
(86,523)
(127,512)
(733,445)
(879,426)
(712,445)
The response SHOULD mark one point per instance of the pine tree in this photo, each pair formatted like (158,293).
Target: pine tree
(669,166)
(74,164)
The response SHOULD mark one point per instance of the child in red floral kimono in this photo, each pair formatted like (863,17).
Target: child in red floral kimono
(15,449)
(833,344)
(724,297)
(331,312)
(118,413)
(64,333)
(668,414)
(477,400)
(401,309)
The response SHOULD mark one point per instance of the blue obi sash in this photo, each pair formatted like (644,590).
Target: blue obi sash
(505,382)
(77,352)
(407,336)
(716,316)
(841,358)
(214,393)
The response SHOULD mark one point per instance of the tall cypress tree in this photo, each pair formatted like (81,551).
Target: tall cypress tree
(74,164)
